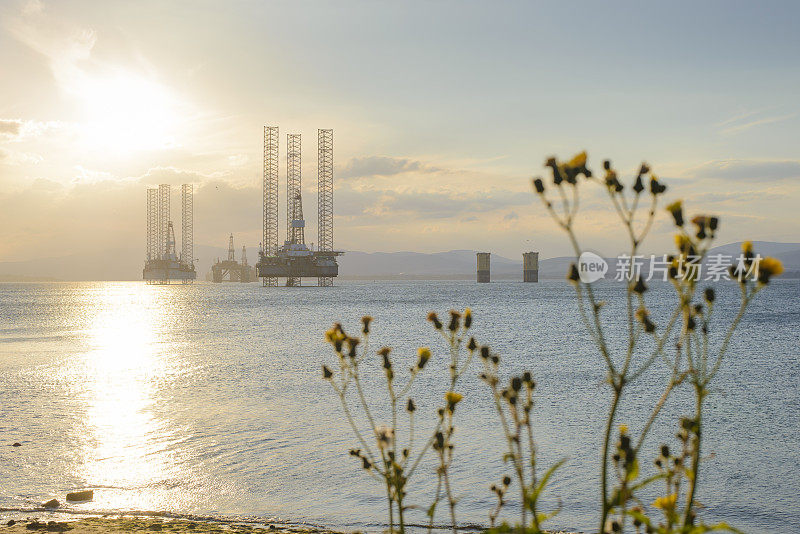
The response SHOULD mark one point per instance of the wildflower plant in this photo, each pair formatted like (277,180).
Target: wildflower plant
(696,358)
(382,455)
(514,404)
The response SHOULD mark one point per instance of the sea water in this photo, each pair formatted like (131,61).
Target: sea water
(209,399)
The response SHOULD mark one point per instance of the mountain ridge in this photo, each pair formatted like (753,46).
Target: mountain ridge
(126,264)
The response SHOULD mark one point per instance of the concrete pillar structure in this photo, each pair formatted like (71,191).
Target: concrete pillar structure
(530,266)
(483,267)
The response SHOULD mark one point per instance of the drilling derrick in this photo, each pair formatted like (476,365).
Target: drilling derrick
(294,201)
(295,224)
(163,219)
(152,225)
(162,263)
(187,224)
(269,245)
(294,260)
(325,200)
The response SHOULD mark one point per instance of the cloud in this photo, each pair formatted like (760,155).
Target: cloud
(173,176)
(743,126)
(10,127)
(388,203)
(741,169)
(7,157)
(64,46)
(360,167)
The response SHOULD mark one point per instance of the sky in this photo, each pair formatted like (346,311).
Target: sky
(442,113)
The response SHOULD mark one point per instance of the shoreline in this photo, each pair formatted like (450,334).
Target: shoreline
(144,522)
(77,522)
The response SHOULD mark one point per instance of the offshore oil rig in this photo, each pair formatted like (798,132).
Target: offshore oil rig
(162,263)
(232,270)
(294,260)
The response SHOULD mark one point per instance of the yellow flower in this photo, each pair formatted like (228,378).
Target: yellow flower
(771,266)
(424,354)
(682,242)
(666,503)
(676,209)
(579,160)
(675,206)
(747,247)
(335,334)
(452,399)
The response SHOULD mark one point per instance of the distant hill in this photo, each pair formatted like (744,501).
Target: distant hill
(126,264)
(452,264)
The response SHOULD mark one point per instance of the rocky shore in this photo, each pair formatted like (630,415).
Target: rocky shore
(145,525)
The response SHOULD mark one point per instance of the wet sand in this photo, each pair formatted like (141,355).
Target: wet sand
(150,525)
(146,525)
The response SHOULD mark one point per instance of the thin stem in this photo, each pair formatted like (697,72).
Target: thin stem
(699,394)
(604,469)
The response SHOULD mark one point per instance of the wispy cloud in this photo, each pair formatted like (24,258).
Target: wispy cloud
(366,166)
(744,169)
(738,125)
(10,127)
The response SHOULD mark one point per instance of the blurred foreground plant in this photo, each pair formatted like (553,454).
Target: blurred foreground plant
(514,404)
(696,358)
(385,460)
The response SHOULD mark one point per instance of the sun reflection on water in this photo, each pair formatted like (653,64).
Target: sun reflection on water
(123,443)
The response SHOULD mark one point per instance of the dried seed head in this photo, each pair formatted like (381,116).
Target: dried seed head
(385,436)
(516,383)
(467,318)
(366,320)
(432,317)
(455,320)
(709,295)
(572,274)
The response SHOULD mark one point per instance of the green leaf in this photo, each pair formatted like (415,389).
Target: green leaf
(647,481)
(634,472)
(431,510)
(545,479)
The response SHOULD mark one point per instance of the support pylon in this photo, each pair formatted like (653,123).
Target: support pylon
(270,198)
(325,196)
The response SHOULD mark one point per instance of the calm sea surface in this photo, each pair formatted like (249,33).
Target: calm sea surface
(208,399)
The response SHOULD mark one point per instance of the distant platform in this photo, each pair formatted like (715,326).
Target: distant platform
(295,261)
(168,271)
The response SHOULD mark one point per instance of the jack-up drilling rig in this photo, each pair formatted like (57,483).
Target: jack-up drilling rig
(162,263)
(294,260)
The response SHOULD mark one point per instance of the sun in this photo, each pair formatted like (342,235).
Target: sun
(125,112)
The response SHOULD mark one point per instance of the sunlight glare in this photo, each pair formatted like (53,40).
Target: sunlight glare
(125,112)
